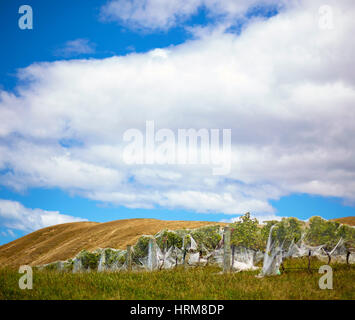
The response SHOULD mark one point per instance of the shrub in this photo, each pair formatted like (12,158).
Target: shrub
(246,233)
(114,256)
(348,234)
(206,237)
(140,250)
(167,239)
(322,232)
(288,230)
(89,259)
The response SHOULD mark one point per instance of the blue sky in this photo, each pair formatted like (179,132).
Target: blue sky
(292,155)
(56,23)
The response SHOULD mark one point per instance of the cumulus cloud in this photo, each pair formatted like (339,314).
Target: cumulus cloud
(75,47)
(284,87)
(164,14)
(15,216)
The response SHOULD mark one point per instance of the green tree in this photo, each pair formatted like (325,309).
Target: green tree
(140,249)
(323,232)
(247,233)
(206,237)
(167,239)
(348,234)
(288,230)
(89,259)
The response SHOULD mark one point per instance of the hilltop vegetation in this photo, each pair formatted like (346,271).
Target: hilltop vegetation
(318,231)
(202,246)
(64,242)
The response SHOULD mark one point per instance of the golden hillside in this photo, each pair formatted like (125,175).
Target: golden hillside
(64,241)
(347,220)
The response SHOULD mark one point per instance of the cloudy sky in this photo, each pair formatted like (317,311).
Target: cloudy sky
(277,73)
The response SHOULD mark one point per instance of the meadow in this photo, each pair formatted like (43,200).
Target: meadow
(295,282)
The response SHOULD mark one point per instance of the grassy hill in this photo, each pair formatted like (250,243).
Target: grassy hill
(347,220)
(64,241)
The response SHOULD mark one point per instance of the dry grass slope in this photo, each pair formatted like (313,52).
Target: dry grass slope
(347,220)
(64,241)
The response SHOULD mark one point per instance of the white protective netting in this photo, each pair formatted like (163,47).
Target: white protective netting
(198,247)
(275,253)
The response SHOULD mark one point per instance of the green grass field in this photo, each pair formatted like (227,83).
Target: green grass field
(194,283)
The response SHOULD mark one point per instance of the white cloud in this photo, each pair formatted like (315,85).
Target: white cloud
(163,14)
(15,216)
(261,218)
(284,86)
(11,233)
(76,47)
